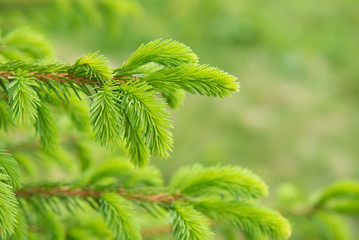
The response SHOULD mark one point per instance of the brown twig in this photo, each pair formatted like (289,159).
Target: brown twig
(61,77)
(85,193)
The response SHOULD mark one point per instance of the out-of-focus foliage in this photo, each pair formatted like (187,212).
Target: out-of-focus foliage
(24,43)
(323,215)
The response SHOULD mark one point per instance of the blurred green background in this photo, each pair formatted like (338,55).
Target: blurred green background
(295,118)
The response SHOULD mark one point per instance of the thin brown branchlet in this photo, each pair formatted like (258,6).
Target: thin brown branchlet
(62,77)
(86,193)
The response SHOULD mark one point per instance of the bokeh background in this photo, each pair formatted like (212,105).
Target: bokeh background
(295,119)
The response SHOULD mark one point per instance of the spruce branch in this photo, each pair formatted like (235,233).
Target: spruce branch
(126,109)
(187,212)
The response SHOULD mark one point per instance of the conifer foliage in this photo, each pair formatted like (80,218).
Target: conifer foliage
(324,215)
(125,110)
(125,107)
